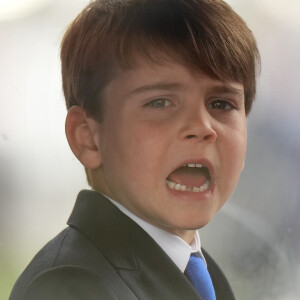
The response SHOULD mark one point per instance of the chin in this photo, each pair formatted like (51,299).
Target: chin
(197,225)
(194,223)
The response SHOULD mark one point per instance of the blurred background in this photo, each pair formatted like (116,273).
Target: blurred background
(255,238)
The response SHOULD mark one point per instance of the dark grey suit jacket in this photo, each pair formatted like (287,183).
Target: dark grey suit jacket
(103,254)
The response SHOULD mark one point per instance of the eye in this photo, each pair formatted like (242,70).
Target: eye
(221,105)
(159,103)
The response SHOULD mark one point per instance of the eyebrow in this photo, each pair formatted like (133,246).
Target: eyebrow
(227,89)
(222,88)
(157,86)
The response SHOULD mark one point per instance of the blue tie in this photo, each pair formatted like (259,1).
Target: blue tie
(197,273)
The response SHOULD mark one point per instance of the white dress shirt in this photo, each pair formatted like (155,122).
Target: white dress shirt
(175,247)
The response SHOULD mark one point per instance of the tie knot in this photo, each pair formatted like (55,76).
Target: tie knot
(197,273)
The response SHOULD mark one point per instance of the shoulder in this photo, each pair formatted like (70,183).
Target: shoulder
(67,267)
(68,283)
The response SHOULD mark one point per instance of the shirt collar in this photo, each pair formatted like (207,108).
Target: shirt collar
(175,247)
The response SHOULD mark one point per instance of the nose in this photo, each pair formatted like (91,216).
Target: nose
(199,126)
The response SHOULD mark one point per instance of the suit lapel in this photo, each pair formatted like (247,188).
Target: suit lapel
(221,285)
(140,262)
(106,226)
(157,276)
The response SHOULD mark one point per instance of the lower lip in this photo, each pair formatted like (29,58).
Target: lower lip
(193,196)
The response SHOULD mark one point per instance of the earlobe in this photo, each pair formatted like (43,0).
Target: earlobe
(80,132)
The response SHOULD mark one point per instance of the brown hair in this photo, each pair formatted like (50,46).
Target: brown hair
(204,34)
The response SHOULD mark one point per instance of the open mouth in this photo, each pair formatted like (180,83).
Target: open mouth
(191,177)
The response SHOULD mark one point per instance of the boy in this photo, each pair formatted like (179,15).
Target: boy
(157,93)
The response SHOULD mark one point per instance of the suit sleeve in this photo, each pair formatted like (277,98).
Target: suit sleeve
(69,283)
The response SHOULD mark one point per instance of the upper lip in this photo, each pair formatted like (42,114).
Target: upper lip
(203,161)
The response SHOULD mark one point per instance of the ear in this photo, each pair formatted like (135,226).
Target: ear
(80,132)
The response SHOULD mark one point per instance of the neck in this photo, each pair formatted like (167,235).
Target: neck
(186,235)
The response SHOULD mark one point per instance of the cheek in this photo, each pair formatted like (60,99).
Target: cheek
(131,150)
(232,146)
(242,144)
(236,152)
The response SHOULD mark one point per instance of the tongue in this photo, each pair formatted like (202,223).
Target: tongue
(191,177)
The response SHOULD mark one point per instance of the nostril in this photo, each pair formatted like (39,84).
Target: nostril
(191,136)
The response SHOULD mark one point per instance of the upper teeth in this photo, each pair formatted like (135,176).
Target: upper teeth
(194,165)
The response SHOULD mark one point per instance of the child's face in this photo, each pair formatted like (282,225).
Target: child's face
(159,118)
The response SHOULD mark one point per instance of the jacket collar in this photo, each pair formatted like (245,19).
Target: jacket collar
(106,226)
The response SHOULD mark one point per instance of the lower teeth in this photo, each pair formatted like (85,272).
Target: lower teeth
(179,187)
